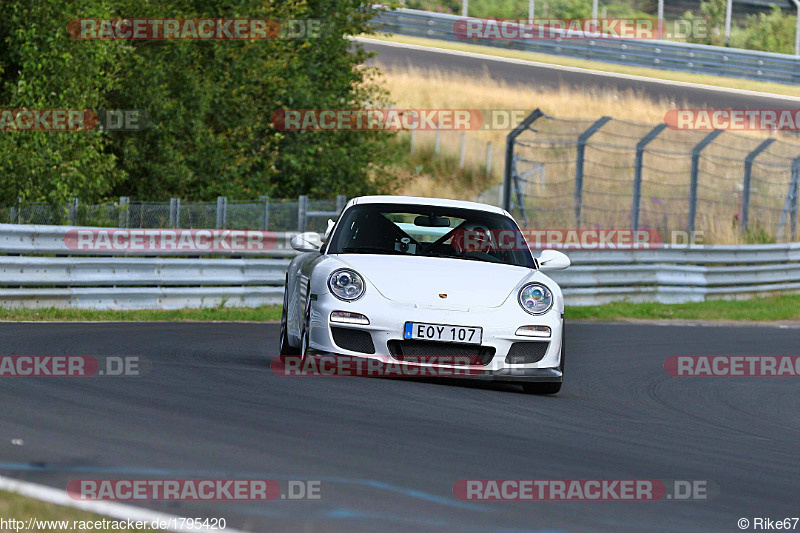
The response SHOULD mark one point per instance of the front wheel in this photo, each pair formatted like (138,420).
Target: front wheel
(286,349)
(305,336)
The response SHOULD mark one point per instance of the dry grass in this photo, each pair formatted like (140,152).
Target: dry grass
(422,89)
(421,175)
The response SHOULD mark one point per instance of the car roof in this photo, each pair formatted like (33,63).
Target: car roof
(420,200)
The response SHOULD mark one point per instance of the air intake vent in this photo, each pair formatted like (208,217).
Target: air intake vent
(523,353)
(355,340)
(418,350)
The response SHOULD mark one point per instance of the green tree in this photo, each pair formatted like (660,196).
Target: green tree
(211,132)
(712,16)
(771,32)
(210,104)
(42,68)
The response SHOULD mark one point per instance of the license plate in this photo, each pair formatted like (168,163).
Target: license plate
(442,333)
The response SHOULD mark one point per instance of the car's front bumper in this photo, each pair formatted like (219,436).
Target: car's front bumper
(552,375)
(499,325)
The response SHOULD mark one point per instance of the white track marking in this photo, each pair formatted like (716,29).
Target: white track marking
(117,511)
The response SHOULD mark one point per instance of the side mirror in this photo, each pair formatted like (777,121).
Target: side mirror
(553,260)
(331,224)
(306,242)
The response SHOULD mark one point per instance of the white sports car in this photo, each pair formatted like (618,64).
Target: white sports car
(402,278)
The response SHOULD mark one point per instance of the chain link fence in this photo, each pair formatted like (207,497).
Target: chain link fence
(302,214)
(609,173)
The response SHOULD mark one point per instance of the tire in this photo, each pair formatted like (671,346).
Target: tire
(304,335)
(304,345)
(286,349)
(549,387)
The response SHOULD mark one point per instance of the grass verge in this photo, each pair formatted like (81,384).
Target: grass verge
(670,75)
(20,508)
(270,313)
(774,308)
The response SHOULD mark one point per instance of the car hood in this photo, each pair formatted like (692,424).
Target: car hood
(422,280)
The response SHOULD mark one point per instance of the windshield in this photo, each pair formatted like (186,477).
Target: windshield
(427,231)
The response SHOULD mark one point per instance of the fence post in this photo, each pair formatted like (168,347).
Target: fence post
(795,197)
(463,150)
(19,210)
(790,205)
(124,211)
(637,173)
(438,142)
(265,199)
(73,212)
(488,159)
(341,201)
(222,211)
(173,213)
(693,185)
(582,140)
(510,139)
(302,209)
(413,138)
(748,169)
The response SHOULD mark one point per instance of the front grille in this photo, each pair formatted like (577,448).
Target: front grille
(354,340)
(522,353)
(439,351)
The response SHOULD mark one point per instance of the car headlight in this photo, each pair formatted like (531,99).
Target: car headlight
(535,298)
(346,284)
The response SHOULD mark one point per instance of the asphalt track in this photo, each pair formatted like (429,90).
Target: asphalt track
(551,76)
(388,451)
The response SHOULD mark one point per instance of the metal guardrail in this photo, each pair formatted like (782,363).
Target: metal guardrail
(679,274)
(140,297)
(49,275)
(139,271)
(659,54)
(38,240)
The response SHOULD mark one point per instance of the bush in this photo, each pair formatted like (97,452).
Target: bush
(771,32)
(210,104)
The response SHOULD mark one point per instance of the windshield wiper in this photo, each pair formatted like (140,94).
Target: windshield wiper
(370,250)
